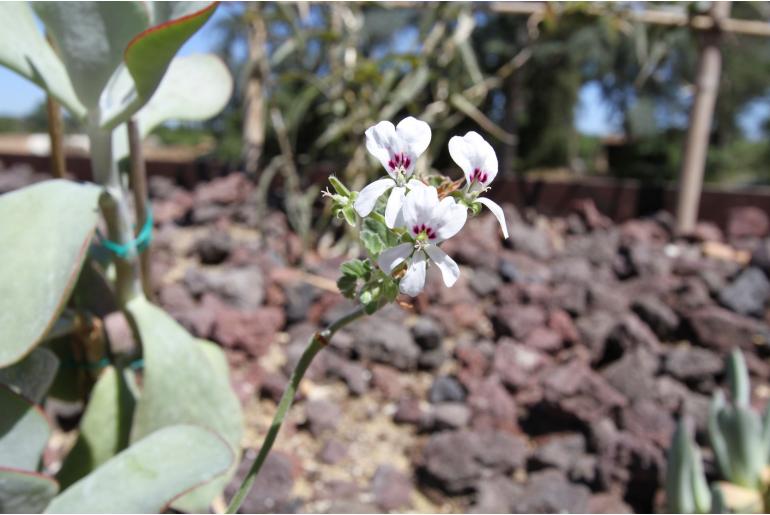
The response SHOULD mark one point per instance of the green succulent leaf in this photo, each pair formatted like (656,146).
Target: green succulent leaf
(91,38)
(195,87)
(23,49)
(104,428)
(149,54)
(47,228)
(24,431)
(22,491)
(742,432)
(173,392)
(31,377)
(150,474)
(738,378)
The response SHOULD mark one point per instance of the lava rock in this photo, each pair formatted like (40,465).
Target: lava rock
(322,416)
(333,452)
(530,240)
(492,405)
(688,363)
(214,248)
(647,421)
(576,391)
(722,330)
(501,451)
(449,462)
(549,491)
(446,415)
(446,389)
(383,341)
(485,282)
(392,489)
(299,299)
(656,314)
(272,488)
(594,329)
(496,495)
(748,293)
(240,287)
(634,374)
(518,321)
(427,333)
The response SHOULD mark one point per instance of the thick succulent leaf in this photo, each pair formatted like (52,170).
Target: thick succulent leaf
(738,378)
(199,499)
(25,492)
(23,49)
(104,428)
(173,391)
(742,430)
(32,377)
(46,229)
(149,54)
(24,431)
(679,494)
(162,12)
(196,87)
(147,476)
(91,38)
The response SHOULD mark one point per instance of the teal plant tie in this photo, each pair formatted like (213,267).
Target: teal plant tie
(140,243)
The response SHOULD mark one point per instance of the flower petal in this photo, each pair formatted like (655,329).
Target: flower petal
(381,141)
(449,269)
(448,219)
(413,184)
(415,134)
(461,154)
(497,211)
(368,196)
(414,279)
(393,214)
(390,258)
(471,152)
(419,205)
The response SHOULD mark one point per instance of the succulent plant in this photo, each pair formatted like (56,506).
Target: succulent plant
(740,439)
(173,437)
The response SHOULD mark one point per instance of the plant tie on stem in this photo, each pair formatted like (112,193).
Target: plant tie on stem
(140,243)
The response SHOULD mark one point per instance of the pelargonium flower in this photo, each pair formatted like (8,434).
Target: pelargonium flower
(397,148)
(478,161)
(429,222)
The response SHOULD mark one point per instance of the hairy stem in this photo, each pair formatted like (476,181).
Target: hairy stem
(317,342)
(116,213)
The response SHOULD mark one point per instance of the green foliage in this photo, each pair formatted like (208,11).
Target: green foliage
(376,236)
(50,225)
(147,476)
(177,437)
(741,444)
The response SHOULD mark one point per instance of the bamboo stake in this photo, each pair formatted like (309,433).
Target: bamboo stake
(139,187)
(56,135)
(701,115)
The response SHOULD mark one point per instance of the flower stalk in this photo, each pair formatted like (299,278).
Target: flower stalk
(317,342)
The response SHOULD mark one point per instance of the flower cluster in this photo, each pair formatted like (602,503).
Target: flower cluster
(403,233)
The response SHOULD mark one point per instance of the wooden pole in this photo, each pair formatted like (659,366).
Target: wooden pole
(701,115)
(139,187)
(56,135)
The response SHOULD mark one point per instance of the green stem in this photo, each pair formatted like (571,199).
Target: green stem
(317,342)
(116,212)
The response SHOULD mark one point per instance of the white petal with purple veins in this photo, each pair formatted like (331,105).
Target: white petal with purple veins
(381,141)
(497,211)
(450,272)
(419,205)
(414,279)
(390,258)
(472,152)
(368,196)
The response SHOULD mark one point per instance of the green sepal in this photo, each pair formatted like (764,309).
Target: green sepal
(340,188)
(349,214)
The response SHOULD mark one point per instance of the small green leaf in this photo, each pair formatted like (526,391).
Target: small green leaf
(738,378)
(104,428)
(347,286)
(46,229)
(349,214)
(340,188)
(355,267)
(150,474)
(31,377)
(24,431)
(22,491)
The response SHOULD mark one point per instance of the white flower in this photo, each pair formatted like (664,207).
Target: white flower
(478,161)
(397,148)
(430,222)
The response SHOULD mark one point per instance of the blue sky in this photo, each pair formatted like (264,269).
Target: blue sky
(593,116)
